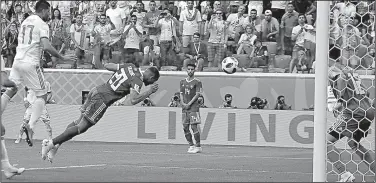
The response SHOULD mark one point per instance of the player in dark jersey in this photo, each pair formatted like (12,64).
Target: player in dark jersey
(126,81)
(9,170)
(190,90)
(354,115)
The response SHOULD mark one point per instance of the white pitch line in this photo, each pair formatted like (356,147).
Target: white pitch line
(64,167)
(211,169)
(184,154)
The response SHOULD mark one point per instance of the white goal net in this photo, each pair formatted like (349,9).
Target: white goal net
(350,116)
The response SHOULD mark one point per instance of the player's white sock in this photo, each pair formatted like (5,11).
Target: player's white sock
(36,111)
(4,102)
(4,156)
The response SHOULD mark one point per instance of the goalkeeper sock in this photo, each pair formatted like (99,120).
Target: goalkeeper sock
(197,138)
(188,136)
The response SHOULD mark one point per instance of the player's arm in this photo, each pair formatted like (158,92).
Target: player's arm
(44,40)
(181,93)
(112,67)
(198,93)
(136,96)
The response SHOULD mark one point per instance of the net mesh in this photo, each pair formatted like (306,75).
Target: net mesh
(352,51)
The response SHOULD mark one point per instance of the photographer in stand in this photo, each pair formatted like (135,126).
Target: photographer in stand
(201,102)
(258,103)
(175,100)
(227,102)
(147,103)
(281,105)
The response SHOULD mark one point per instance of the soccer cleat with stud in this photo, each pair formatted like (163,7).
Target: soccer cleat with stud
(15,171)
(190,149)
(51,154)
(46,147)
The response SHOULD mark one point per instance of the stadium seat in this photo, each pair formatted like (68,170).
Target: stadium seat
(366,72)
(243,59)
(85,66)
(211,69)
(64,66)
(282,61)
(169,68)
(272,47)
(255,70)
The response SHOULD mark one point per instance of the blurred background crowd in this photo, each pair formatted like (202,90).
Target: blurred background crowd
(265,36)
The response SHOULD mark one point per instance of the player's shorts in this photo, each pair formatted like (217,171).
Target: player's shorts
(94,107)
(29,74)
(45,117)
(191,118)
(357,125)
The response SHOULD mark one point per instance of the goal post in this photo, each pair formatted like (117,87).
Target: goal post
(321,77)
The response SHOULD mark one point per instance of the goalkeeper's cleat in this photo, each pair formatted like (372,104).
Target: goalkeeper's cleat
(347,177)
(12,171)
(190,149)
(52,153)
(47,145)
(29,134)
(18,140)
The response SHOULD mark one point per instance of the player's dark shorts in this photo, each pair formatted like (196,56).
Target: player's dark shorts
(191,118)
(94,108)
(357,125)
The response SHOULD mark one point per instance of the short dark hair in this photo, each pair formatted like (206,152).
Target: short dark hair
(191,64)
(18,5)
(155,72)
(103,15)
(133,16)
(254,10)
(290,3)
(228,95)
(196,34)
(42,5)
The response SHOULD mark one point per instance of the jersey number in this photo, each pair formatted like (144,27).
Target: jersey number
(187,91)
(31,28)
(118,79)
(357,84)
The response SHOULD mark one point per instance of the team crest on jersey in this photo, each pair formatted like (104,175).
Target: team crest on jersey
(137,88)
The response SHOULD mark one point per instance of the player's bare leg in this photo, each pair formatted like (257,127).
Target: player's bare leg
(196,135)
(188,136)
(335,158)
(37,111)
(5,98)
(9,170)
(69,133)
(19,136)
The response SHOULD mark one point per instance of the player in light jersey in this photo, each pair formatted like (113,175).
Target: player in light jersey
(45,117)
(190,90)
(126,81)
(354,115)
(32,40)
(9,170)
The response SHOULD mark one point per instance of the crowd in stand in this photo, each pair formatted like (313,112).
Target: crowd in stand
(262,35)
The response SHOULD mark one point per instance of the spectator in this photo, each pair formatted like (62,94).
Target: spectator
(259,55)
(17,15)
(58,34)
(190,22)
(334,34)
(235,28)
(80,34)
(139,13)
(258,103)
(147,103)
(65,15)
(175,100)
(256,7)
(254,20)
(149,21)
(228,102)
(350,38)
(281,104)
(101,34)
(151,52)
(310,43)
(217,41)
(174,9)
(269,28)
(132,35)
(196,53)
(117,16)
(246,41)
(11,42)
(301,6)
(310,12)
(298,34)
(288,22)
(278,9)
(167,39)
